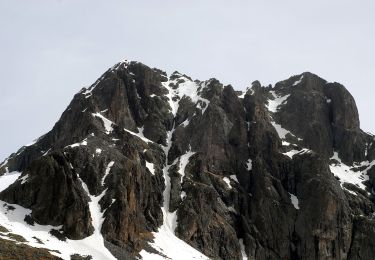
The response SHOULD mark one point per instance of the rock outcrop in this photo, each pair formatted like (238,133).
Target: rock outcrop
(281,172)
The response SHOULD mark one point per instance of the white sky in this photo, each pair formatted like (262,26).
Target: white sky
(50,49)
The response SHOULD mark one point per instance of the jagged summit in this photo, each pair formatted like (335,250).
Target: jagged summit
(146,165)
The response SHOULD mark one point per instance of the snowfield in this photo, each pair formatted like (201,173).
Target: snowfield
(350,174)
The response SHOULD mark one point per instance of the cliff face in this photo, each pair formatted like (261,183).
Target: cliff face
(156,166)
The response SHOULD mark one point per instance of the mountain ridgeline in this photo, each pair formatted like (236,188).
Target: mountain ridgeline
(142,165)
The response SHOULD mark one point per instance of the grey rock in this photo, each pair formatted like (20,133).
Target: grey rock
(237,186)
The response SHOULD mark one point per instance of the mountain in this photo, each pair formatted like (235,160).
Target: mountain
(142,165)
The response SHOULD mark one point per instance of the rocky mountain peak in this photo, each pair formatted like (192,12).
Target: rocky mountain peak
(146,165)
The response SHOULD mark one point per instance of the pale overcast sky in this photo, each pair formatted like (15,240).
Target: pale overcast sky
(50,49)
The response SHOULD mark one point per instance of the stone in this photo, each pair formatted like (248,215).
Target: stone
(247,174)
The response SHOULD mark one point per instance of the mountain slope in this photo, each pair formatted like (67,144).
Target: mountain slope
(142,165)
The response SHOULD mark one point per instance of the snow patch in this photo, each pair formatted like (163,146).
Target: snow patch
(98,151)
(150,167)
(96,240)
(227,181)
(5,162)
(185,123)
(232,209)
(87,92)
(106,122)
(243,251)
(44,154)
(294,200)
(184,160)
(84,142)
(169,218)
(7,179)
(249,165)
(242,95)
(24,179)
(350,191)
(33,142)
(234,177)
(291,153)
(171,246)
(274,104)
(188,88)
(183,195)
(107,170)
(139,135)
(282,132)
(347,173)
(298,81)
(248,91)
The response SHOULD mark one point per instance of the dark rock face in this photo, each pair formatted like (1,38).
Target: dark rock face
(324,115)
(255,174)
(363,239)
(52,190)
(323,234)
